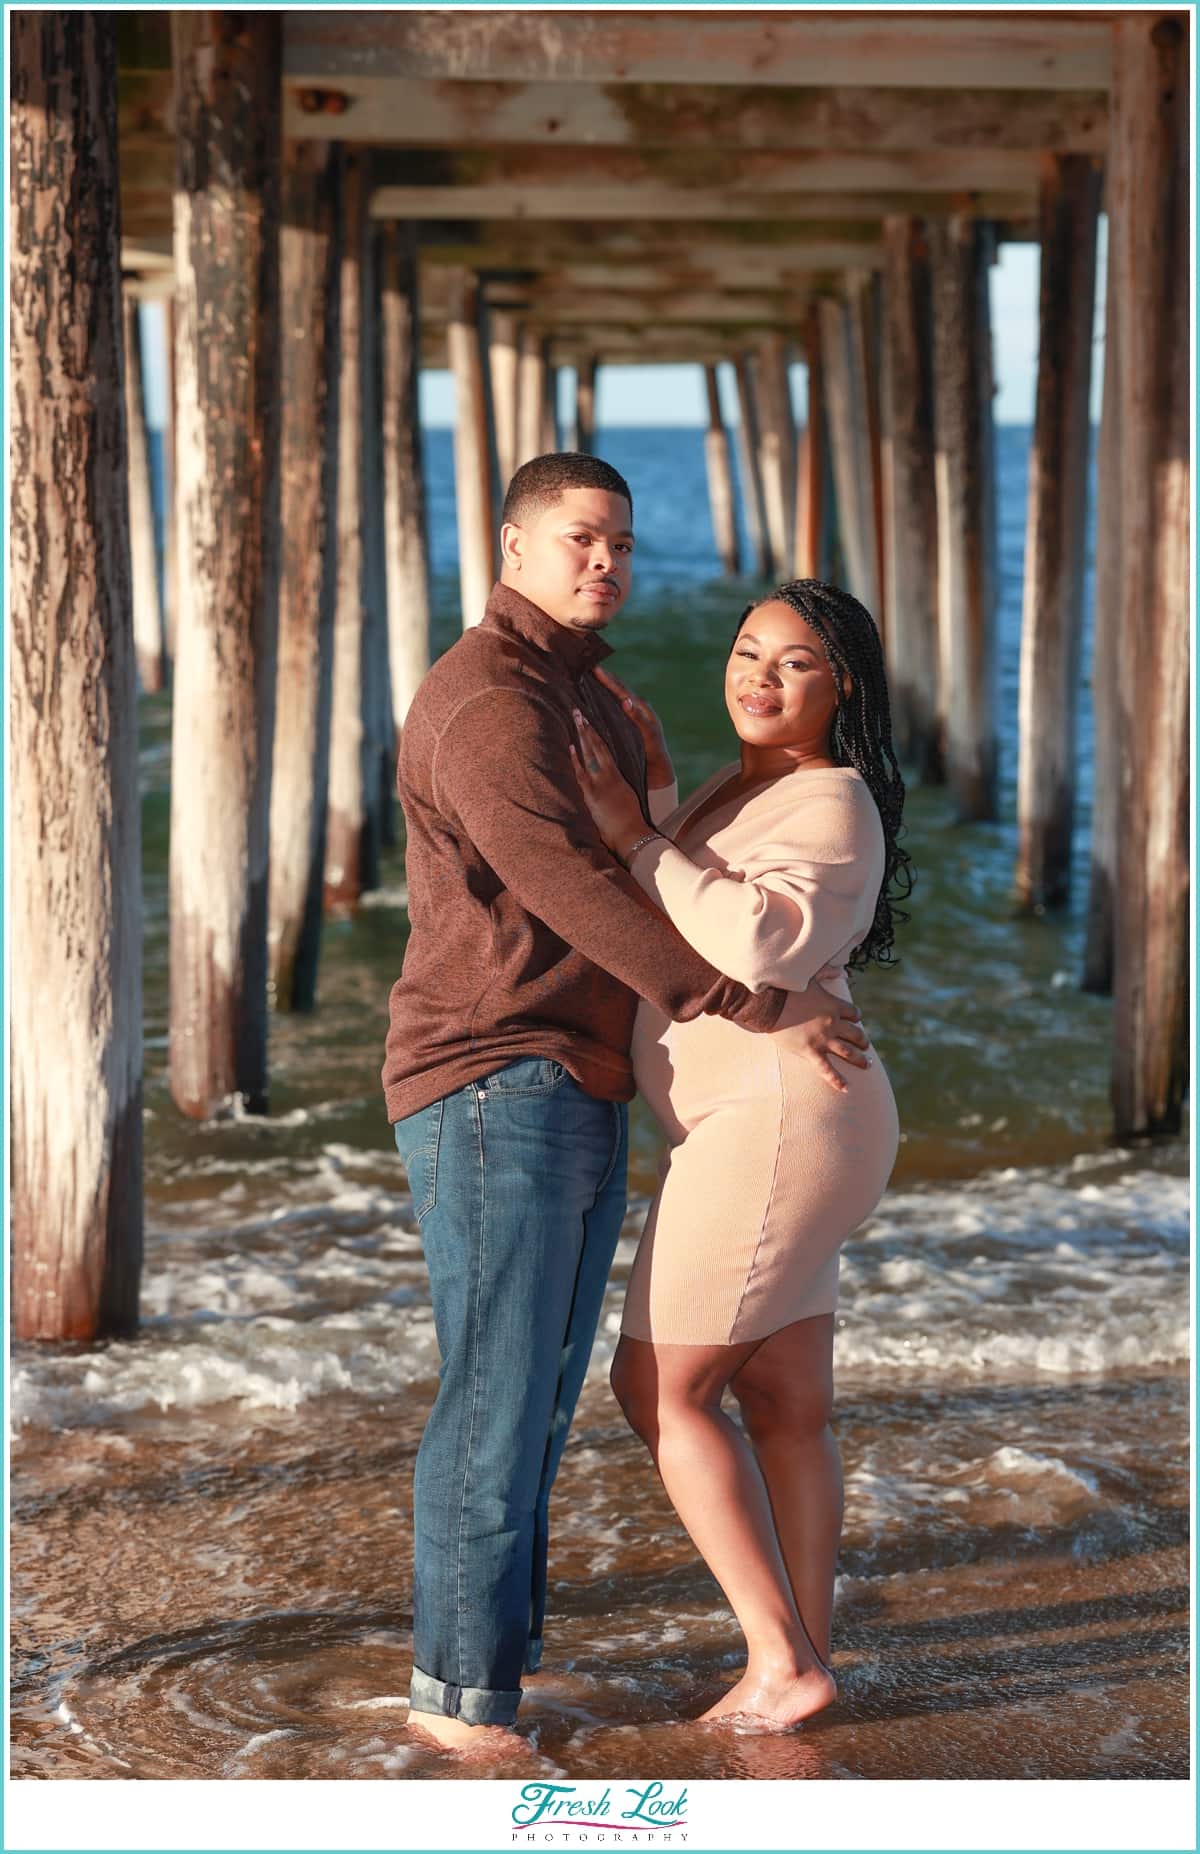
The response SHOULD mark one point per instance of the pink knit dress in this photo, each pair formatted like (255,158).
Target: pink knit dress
(768,1169)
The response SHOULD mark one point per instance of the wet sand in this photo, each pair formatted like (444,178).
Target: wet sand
(234,1605)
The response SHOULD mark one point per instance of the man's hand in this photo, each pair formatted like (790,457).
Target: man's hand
(659,770)
(824,1025)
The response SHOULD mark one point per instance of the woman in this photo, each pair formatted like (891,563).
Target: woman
(778,870)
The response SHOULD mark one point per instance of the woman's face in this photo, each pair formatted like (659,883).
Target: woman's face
(779,688)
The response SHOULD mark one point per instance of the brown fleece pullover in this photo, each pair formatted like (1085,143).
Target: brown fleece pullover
(527,937)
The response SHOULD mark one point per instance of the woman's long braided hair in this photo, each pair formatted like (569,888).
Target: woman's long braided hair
(861,735)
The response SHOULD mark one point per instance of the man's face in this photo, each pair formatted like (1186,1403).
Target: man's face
(574,560)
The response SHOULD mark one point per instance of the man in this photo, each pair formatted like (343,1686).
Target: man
(507,1070)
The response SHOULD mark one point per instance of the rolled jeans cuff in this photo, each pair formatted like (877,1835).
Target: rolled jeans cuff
(473,1705)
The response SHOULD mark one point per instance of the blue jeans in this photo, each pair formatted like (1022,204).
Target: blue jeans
(518,1184)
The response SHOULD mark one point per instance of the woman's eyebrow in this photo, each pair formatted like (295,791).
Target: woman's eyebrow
(747,637)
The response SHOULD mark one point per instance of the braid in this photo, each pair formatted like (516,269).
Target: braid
(861,735)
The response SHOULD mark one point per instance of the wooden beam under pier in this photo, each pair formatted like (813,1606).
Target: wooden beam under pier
(750,468)
(720,479)
(854,118)
(147,606)
(472,453)
(1008,50)
(552,200)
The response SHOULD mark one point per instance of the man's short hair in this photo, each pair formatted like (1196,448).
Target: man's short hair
(539,484)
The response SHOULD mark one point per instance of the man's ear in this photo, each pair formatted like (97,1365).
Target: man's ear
(512,544)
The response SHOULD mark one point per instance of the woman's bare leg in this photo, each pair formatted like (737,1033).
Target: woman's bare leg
(785,1392)
(671,1396)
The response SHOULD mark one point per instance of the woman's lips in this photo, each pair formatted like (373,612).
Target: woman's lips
(759,705)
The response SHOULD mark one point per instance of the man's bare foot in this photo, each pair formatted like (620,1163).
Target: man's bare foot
(776,1701)
(467,1741)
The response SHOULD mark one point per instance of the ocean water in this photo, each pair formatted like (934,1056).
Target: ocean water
(212,1544)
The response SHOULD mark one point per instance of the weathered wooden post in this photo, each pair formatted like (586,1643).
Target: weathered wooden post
(147,607)
(749,469)
(1052,621)
(170,552)
(1106,619)
(1150,220)
(352,825)
(720,478)
(227,114)
(75,894)
(531,395)
(909,496)
(585,404)
(504,334)
(310,256)
(403,471)
(550,441)
(472,463)
(379,731)
(848,404)
(810,461)
(961,250)
(777,445)
(863,319)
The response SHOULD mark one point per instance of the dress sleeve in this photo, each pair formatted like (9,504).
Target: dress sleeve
(803,894)
(498,770)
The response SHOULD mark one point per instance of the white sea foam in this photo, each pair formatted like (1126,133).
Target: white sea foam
(273,1303)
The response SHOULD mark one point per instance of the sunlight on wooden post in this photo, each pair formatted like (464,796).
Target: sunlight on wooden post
(227,104)
(585,404)
(720,479)
(75,897)
(1151,215)
(749,468)
(810,461)
(472,458)
(531,395)
(404,477)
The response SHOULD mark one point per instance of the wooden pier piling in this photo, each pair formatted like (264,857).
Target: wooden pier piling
(227,116)
(750,471)
(504,335)
(147,606)
(720,479)
(472,451)
(1149,224)
(777,446)
(909,496)
(585,404)
(403,471)
(961,252)
(812,444)
(531,395)
(1106,619)
(75,908)
(1052,619)
(310,284)
(851,434)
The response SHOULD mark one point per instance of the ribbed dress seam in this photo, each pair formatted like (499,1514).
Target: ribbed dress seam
(767,1208)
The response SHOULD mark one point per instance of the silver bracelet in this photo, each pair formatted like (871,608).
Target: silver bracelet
(640,845)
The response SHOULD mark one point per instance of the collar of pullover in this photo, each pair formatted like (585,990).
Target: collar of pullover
(577,651)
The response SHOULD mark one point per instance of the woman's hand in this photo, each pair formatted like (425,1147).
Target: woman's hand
(612,801)
(821,1024)
(659,770)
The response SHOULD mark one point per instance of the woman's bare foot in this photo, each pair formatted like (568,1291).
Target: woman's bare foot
(467,1741)
(776,1701)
